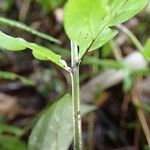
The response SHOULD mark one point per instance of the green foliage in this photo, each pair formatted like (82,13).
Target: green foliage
(54,130)
(88,22)
(22,26)
(49,5)
(146,147)
(84,21)
(106,63)
(130,74)
(146,51)
(106,50)
(144,106)
(40,52)
(5,5)
(11,143)
(4,128)
(123,10)
(128,80)
(13,76)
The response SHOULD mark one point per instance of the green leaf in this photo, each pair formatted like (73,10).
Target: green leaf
(103,38)
(22,26)
(11,143)
(123,10)
(106,50)
(4,128)
(13,76)
(84,21)
(146,51)
(40,52)
(54,130)
(88,22)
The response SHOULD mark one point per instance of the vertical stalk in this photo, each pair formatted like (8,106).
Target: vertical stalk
(76,97)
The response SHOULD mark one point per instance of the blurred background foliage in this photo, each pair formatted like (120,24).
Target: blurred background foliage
(28,86)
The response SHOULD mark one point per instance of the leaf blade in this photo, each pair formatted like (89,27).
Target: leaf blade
(19,44)
(50,121)
(127,9)
(81,19)
(54,130)
(87,33)
(13,76)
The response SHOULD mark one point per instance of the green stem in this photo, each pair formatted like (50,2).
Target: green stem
(76,97)
(116,51)
(134,39)
(16,24)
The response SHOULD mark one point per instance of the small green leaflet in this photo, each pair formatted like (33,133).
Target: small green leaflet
(24,27)
(12,76)
(54,130)
(89,22)
(40,52)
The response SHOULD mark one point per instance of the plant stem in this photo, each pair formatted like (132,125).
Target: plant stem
(132,37)
(116,50)
(76,97)
(142,120)
(136,94)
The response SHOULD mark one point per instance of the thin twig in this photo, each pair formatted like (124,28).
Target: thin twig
(136,95)
(116,50)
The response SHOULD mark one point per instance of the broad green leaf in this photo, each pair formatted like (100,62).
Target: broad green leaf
(11,143)
(146,51)
(54,130)
(13,76)
(22,26)
(40,52)
(88,22)
(123,10)
(83,21)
